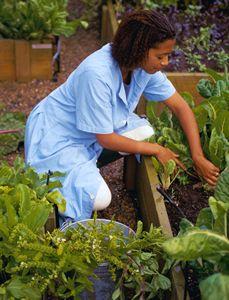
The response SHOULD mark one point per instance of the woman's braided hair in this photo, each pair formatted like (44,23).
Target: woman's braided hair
(138,32)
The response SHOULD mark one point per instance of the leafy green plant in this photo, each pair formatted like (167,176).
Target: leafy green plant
(206,244)
(201,42)
(211,115)
(35,19)
(60,263)
(165,173)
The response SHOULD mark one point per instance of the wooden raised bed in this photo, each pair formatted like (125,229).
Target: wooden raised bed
(25,60)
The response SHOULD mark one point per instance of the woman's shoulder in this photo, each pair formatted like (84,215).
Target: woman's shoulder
(99,64)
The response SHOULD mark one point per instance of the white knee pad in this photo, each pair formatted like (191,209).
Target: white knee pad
(138,134)
(103,197)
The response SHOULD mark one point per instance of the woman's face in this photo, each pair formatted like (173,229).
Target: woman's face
(158,57)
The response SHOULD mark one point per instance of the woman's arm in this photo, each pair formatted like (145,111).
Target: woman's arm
(116,142)
(187,120)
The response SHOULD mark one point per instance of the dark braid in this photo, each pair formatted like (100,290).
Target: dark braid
(138,32)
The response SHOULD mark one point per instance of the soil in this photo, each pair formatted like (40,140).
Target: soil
(190,198)
(24,96)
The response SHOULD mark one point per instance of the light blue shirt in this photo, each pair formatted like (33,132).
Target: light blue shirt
(61,130)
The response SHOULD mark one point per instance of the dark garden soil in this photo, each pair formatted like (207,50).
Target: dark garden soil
(190,198)
(24,96)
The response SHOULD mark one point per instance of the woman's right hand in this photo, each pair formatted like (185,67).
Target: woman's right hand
(164,155)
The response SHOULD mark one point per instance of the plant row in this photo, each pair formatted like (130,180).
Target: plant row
(201,32)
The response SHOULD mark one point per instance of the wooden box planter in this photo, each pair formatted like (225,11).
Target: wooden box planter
(25,60)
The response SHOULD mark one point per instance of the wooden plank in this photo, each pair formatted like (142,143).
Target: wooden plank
(7,60)
(186,82)
(51,223)
(22,60)
(41,60)
(112,22)
(130,165)
(153,211)
(151,201)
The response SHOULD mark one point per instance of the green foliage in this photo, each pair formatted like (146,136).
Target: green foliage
(35,19)
(32,262)
(214,287)
(222,191)
(206,244)
(9,141)
(212,116)
(153,4)
(165,173)
(23,187)
(200,42)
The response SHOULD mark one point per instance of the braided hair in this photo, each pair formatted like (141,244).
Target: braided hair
(138,32)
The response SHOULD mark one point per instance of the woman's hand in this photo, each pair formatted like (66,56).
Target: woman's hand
(206,169)
(165,154)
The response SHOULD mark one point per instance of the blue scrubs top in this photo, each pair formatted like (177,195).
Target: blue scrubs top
(61,130)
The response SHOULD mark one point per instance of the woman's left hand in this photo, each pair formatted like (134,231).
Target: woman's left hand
(206,169)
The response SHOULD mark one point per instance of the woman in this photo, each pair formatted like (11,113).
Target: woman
(93,109)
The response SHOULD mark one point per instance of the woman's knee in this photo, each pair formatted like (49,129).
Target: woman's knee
(140,133)
(103,197)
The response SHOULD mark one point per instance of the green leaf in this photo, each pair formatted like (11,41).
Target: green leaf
(189,99)
(215,287)
(156,164)
(216,149)
(23,193)
(170,167)
(220,212)
(184,226)
(116,294)
(214,75)
(205,219)
(221,123)
(57,198)
(36,218)
(222,191)
(139,228)
(161,282)
(12,217)
(197,243)
(205,88)
(20,290)
(201,116)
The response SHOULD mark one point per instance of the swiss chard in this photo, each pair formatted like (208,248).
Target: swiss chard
(211,115)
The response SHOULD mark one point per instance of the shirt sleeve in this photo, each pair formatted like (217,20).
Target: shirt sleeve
(158,88)
(93,104)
